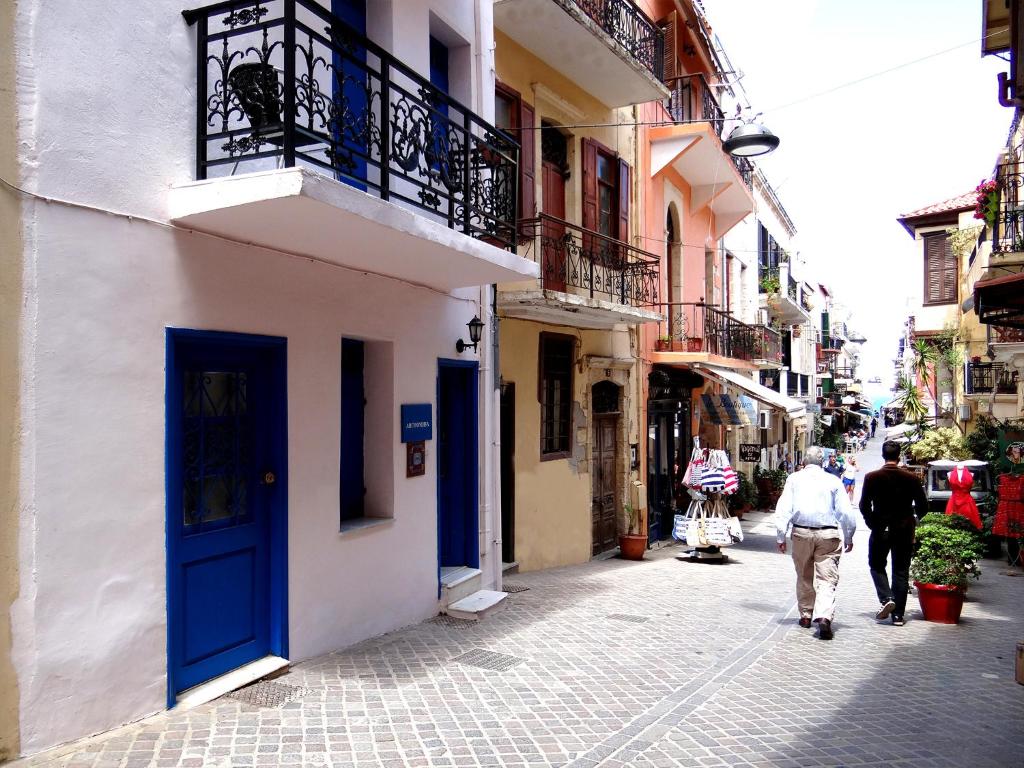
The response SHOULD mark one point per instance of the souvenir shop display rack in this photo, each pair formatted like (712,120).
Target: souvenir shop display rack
(707,526)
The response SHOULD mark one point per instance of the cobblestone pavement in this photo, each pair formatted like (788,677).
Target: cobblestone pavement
(657,663)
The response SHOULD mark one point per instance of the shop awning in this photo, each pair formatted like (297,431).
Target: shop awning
(794,409)
(1000,300)
(899,430)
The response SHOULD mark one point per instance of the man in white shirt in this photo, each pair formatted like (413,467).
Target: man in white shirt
(815,510)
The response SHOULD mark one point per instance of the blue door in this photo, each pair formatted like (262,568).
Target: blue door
(225,503)
(457,464)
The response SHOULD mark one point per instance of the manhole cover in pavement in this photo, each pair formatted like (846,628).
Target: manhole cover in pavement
(498,662)
(511,587)
(627,617)
(268,693)
(450,621)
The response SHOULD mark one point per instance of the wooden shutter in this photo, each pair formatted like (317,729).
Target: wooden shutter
(624,191)
(589,184)
(527,157)
(671,29)
(940,270)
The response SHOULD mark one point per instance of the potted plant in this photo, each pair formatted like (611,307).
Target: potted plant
(769,483)
(946,555)
(632,543)
(694,344)
(663,343)
(745,496)
(986,206)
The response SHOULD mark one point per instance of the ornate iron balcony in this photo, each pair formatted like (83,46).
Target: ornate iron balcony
(603,267)
(1008,226)
(630,27)
(696,327)
(993,378)
(769,344)
(285,82)
(692,100)
(745,169)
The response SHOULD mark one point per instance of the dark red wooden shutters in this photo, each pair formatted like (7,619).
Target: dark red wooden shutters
(623,208)
(527,156)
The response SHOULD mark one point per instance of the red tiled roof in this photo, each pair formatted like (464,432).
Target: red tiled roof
(960,203)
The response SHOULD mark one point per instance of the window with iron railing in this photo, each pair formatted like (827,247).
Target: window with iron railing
(986,378)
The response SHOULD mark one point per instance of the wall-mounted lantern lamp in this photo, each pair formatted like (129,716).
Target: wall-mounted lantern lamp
(476,330)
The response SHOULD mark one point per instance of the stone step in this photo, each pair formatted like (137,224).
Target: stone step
(458,583)
(477,606)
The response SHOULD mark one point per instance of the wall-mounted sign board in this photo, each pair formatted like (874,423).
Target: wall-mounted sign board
(750,452)
(417,422)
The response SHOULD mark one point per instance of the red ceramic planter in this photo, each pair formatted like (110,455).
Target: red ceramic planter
(940,603)
(632,547)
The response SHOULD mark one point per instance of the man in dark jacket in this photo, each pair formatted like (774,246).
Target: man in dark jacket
(892,501)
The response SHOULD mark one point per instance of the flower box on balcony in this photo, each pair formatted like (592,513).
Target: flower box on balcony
(670,345)
(694,345)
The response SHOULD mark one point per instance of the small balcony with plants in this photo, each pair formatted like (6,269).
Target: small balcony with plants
(313,140)
(780,292)
(587,280)
(694,332)
(609,48)
(692,145)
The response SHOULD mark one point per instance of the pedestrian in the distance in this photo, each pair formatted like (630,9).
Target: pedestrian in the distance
(874,426)
(850,476)
(892,500)
(815,511)
(833,467)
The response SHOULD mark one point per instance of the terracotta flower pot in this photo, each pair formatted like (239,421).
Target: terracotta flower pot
(694,345)
(940,603)
(632,546)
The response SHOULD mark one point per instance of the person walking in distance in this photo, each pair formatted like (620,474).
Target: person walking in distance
(892,500)
(815,511)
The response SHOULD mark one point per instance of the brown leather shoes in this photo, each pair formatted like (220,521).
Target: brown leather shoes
(805,622)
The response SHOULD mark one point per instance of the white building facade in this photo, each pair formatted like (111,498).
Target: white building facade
(243,246)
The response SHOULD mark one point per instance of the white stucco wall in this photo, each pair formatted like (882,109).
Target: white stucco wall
(107,120)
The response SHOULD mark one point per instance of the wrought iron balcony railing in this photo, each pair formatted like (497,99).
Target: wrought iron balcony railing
(805,301)
(769,344)
(985,378)
(696,327)
(791,288)
(745,169)
(845,372)
(285,82)
(630,27)
(768,279)
(692,100)
(572,257)
(1008,226)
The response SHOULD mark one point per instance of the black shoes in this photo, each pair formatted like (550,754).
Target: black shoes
(897,621)
(824,629)
(805,622)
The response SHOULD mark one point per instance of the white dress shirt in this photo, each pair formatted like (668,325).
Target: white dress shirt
(814,498)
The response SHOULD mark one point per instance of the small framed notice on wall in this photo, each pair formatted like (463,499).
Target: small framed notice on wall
(415,458)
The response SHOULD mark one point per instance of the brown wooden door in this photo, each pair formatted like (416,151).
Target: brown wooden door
(553,205)
(603,482)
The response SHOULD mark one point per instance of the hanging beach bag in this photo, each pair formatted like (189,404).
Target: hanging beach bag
(732,480)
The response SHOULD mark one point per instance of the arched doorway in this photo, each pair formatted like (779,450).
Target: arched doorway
(606,404)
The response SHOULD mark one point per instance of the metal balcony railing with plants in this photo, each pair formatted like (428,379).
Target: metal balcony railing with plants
(994,378)
(697,327)
(286,83)
(791,288)
(572,257)
(745,169)
(692,100)
(1005,214)
(631,28)
(845,372)
(805,301)
(768,279)
(769,344)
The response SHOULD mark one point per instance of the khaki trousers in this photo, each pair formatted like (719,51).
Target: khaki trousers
(816,559)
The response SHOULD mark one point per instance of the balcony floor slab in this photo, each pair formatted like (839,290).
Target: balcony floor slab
(565,38)
(302,212)
(686,359)
(558,308)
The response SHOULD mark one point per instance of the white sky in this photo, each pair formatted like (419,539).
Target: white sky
(852,161)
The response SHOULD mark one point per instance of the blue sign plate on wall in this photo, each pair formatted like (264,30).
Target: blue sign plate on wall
(417,423)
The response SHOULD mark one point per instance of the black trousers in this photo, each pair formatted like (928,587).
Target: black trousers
(900,543)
